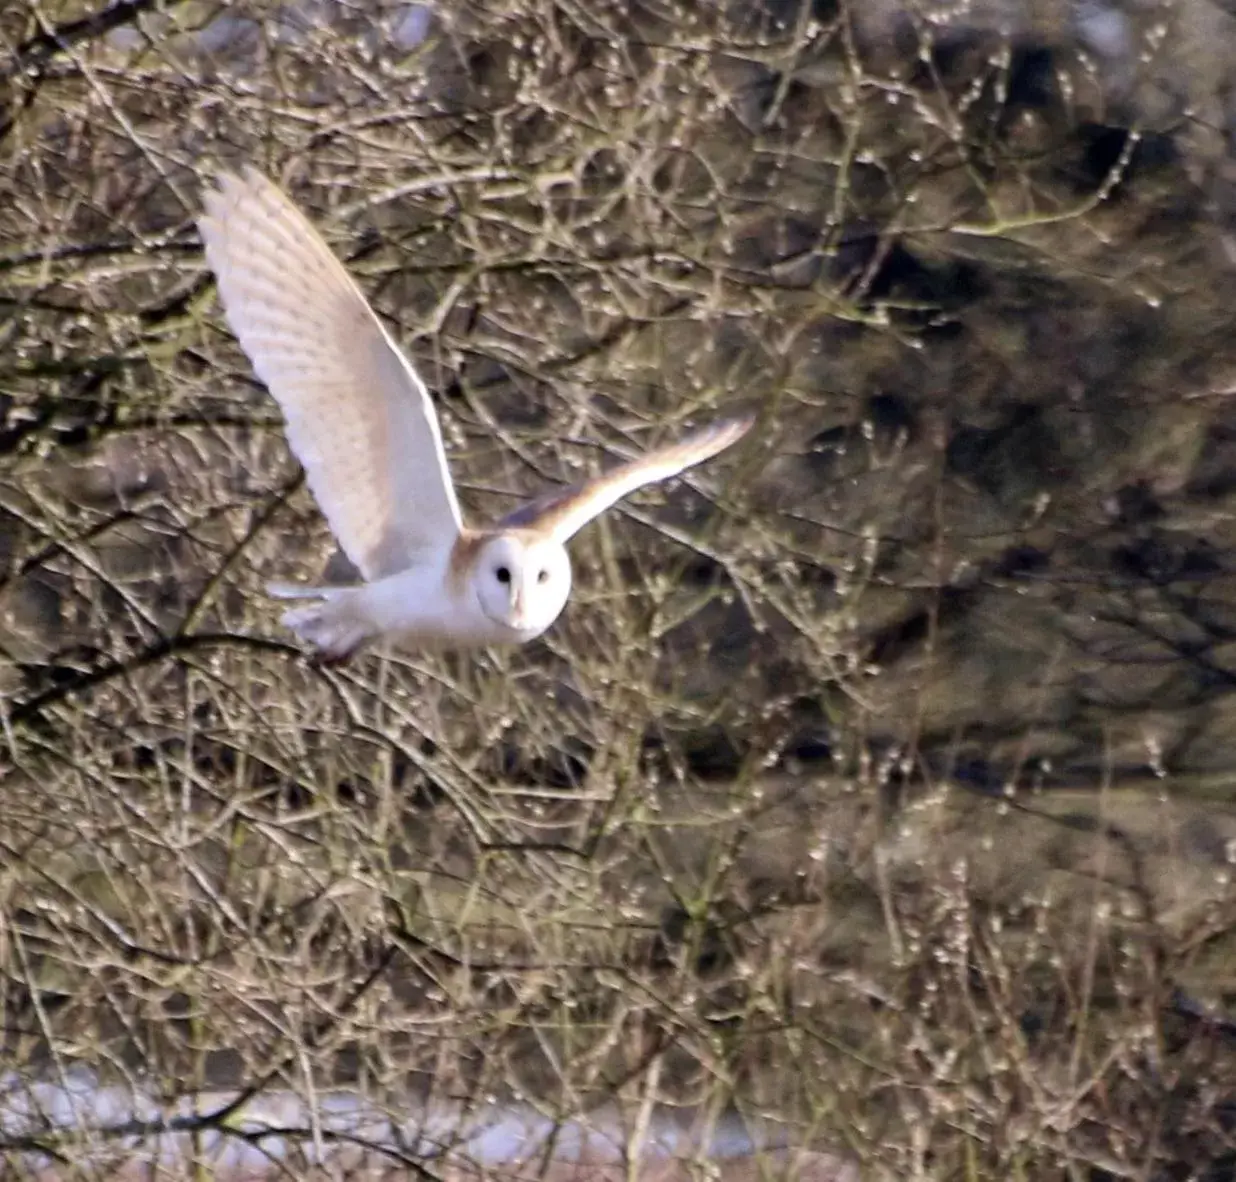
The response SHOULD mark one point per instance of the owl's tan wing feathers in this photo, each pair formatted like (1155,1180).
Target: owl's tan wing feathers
(563,513)
(359,418)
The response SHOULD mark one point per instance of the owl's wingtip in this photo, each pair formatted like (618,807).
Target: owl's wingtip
(739,424)
(229,186)
(718,435)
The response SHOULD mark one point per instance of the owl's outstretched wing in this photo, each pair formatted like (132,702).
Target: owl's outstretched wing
(358,417)
(562,513)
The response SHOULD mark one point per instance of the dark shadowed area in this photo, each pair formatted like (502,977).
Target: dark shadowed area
(873,800)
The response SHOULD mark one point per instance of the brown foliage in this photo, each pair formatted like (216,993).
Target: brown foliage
(875,784)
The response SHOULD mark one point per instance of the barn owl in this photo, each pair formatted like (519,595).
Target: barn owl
(361,423)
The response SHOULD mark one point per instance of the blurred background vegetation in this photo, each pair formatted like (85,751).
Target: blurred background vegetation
(875,789)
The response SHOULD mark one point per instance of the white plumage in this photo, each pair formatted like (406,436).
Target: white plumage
(361,423)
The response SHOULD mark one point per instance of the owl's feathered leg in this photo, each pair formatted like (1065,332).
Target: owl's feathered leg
(337,625)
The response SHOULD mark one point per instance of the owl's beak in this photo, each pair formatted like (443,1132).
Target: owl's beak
(518,620)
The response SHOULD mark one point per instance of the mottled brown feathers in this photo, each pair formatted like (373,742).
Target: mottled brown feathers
(462,558)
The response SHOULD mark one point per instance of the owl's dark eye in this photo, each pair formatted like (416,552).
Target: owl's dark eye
(504,574)
(542,576)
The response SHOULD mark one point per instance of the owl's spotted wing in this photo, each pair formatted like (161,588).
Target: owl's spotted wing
(563,513)
(358,417)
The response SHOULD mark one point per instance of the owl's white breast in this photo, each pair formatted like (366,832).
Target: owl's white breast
(428,605)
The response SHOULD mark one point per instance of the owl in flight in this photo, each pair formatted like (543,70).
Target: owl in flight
(361,423)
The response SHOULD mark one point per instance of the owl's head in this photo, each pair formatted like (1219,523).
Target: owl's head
(522,581)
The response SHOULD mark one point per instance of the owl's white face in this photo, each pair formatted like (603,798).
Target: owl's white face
(522,582)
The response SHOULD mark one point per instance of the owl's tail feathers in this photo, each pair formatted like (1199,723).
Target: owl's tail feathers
(336,624)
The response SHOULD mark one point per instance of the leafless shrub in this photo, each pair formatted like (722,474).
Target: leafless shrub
(873,788)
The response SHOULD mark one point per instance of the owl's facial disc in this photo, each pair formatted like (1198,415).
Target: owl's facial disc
(522,582)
